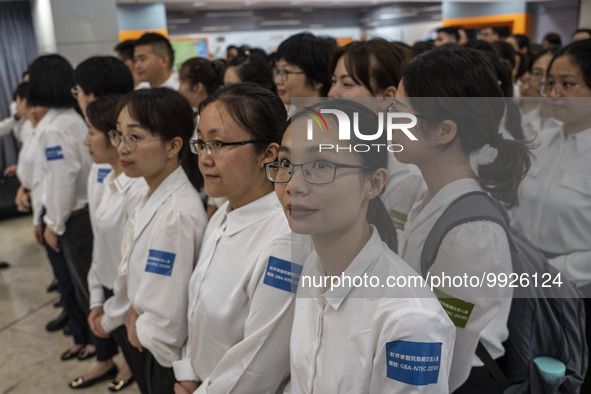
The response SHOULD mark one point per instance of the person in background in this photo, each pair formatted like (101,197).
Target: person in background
(301,67)
(447,35)
(551,39)
(252,67)
(231,52)
(153,60)
(581,34)
(124,52)
(520,43)
(555,197)
(463,36)
(489,34)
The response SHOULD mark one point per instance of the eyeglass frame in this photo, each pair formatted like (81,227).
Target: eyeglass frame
(115,134)
(293,166)
(207,145)
(553,89)
(284,74)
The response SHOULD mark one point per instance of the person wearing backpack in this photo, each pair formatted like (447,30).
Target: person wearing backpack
(456,99)
(555,209)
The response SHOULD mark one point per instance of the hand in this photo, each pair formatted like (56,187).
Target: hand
(10,171)
(39,235)
(94,321)
(22,201)
(51,239)
(130,320)
(185,387)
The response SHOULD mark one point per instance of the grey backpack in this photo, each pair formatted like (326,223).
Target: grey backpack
(542,321)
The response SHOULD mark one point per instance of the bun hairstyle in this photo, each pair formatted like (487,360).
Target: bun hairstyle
(198,70)
(461,72)
(166,113)
(377,214)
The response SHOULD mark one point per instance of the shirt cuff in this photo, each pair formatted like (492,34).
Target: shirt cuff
(183,370)
(58,228)
(109,324)
(97,297)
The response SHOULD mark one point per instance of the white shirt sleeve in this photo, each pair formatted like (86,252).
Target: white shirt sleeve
(161,300)
(260,362)
(63,164)
(95,289)
(474,249)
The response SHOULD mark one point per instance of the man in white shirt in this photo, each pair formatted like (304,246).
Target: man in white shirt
(153,60)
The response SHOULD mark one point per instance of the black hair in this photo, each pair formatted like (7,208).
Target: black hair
(506,53)
(553,38)
(51,81)
(579,52)
(451,31)
(421,47)
(501,69)
(311,54)
(103,75)
(125,49)
(160,45)
(100,113)
(375,64)
(254,68)
(377,214)
(21,91)
(168,114)
(522,40)
(258,110)
(502,31)
(546,51)
(464,72)
(199,70)
(588,31)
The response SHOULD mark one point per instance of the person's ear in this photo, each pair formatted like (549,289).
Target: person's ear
(174,147)
(446,132)
(389,92)
(377,181)
(198,88)
(269,154)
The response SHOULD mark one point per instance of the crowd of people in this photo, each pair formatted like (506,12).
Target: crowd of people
(179,209)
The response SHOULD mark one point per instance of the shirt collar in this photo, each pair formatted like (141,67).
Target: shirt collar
(582,139)
(122,183)
(245,216)
(49,117)
(357,268)
(144,214)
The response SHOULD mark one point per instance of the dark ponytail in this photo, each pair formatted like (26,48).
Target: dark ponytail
(460,84)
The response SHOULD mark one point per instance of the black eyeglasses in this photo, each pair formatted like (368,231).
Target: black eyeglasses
(214,148)
(284,74)
(316,172)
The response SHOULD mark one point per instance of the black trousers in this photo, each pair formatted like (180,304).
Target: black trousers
(106,348)
(160,379)
(135,359)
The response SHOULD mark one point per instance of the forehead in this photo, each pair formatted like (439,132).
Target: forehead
(216,120)
(142,50)
(564,65)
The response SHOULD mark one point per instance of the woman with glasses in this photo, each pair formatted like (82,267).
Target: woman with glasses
(301,67)
(240,312)
(60,187)
(108,221)
(163,234)
(367,337)
(535,113)
(555,196)
(373,69)
(460,151)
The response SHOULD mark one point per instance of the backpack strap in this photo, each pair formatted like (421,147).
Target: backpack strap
(470,207)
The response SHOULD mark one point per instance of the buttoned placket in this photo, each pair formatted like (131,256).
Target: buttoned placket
(321,304)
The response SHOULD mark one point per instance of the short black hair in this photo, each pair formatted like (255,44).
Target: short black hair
(160,45)
(450,30)
(310,53)
(21,91)
(254,68)
(125,49)
(553,39)
(51,81)
(502,31)
(103,75)
(101,113)
(578,52)
(522,40)
(588,31)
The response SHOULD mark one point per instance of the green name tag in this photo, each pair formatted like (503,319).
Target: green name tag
(458,311)
(398,218)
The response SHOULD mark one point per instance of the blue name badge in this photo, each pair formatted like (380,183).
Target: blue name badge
(54,153)
(283,274)
(160,262)
(101,174)
(415,363)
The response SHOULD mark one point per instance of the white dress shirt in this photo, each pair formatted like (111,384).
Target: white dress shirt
(356,339)
(159,250)
(472,248)
(30,162)
(66,166)
(172,82)
(95,185)
(108,225)
(240,314)
(554,209)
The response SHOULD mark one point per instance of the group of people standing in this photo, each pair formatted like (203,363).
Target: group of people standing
(178,218)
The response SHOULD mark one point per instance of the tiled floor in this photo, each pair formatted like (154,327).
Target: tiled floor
(29,355)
